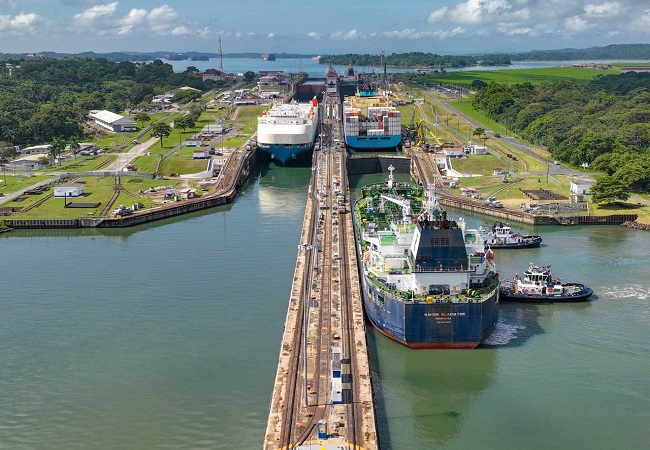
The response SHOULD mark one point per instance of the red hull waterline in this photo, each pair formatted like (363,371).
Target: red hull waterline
(436,346)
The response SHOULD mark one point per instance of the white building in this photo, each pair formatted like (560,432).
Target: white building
(193,142)
(28,163)
(36,149)
(112,122)
(69,190)
(580,186)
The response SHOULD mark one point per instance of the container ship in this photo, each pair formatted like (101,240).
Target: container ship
(370,122)
(428,281)
(287,130)
(268,56)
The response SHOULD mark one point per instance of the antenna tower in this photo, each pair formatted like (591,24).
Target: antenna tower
(220,56)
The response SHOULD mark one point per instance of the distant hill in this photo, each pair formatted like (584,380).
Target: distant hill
(148,56)
(614,51)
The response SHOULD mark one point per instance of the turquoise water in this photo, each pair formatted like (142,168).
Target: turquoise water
(167,336)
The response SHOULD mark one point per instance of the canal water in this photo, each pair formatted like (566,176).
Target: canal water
(167,336)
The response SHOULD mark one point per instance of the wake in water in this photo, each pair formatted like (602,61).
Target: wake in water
(627,292)
(503,333)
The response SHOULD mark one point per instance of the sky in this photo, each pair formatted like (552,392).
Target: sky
(320,27)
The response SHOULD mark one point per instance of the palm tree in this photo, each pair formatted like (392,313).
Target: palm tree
(74,145)
(56,147)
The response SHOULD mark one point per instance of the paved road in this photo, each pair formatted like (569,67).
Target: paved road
(553,169)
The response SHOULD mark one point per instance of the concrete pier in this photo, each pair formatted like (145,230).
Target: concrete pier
(322,393)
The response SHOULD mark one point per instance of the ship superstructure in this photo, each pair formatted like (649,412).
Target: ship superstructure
(428,281)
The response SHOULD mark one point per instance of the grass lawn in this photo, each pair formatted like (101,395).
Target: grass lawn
(515,76)
(11,183)
(81,164)
(248,116)
(97,189)
(182,162)
(147,199)
(478,164)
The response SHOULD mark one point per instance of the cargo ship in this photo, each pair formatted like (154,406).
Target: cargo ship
(268,56)
(428,281)
(288,130)
(370,122)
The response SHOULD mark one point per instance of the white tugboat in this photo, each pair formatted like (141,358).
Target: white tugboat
(502,236)
(537,285)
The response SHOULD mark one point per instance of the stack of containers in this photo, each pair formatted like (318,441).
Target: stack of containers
(351,121)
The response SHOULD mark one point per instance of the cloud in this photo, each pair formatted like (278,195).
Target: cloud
(577,24)
(413,34)
(96,12)
(314,35)
(604,10)
(8,5)
(180,31)
(641,24)
(346,35)
(270,35)
(437,15)
(21,22)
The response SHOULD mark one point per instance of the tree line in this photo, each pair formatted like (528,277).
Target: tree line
(411,59)
(605,123)
(46,98)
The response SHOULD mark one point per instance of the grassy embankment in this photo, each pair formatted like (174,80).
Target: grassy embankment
(97,189)
(10,183)
(511,195)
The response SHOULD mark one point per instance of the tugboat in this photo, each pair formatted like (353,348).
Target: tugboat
(537,285)
(501,236)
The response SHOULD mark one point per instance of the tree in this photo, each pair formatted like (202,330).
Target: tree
(249,76)
(56,147)
(161,130)
(184,122)
(74,145)
(609,190)
(142,117)
(478,85)
(7,150)
(480,132)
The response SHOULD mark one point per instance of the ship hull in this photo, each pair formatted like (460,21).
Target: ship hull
(431,325)
(527,242)
(580,295)
(372,142)
(284,154)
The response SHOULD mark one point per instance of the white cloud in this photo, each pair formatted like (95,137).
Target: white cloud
(641,24)
(20,22)
(413,34)
(577,24)
(346,35)
(604,10)
(180,31)
(95,12)
(134,17)
(437,15)
(162,19)
(314,35)
(270,35)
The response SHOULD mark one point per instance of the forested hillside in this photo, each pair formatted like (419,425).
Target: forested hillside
(605,123)
(47,98)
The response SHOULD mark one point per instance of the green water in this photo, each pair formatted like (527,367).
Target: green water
(167,336)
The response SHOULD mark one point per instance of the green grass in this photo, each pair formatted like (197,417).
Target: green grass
(97,189)
(181,162)
(81,164)
(12,183)
(478,164)
(515,76)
